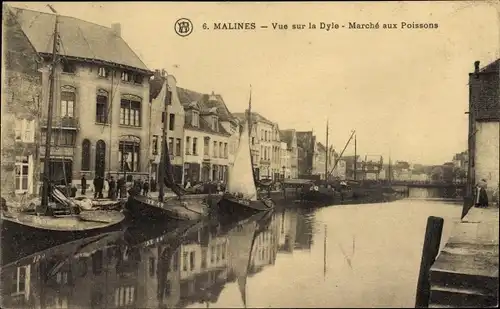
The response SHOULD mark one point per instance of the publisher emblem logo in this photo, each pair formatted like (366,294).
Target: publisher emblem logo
(183,27)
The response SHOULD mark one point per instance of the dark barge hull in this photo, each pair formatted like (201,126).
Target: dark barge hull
(230,208)
(141,208)
(22,240)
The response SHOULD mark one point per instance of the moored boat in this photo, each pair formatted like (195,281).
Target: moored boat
(173,208)
(241,193)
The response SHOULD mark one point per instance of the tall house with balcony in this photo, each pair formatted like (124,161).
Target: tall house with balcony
(163,93)
(21,94)
(101,98)
(206,139)
(290,138)
(484,122)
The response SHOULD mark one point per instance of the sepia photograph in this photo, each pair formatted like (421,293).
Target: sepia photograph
(341,154)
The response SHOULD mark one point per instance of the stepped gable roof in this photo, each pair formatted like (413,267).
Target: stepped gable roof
(80,39)
(205,102)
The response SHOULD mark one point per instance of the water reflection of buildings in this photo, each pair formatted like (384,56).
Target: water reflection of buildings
(295,230)
(159,273)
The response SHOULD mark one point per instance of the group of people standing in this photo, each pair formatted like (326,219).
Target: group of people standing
(116,189)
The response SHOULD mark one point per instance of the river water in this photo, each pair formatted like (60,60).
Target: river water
(340,256)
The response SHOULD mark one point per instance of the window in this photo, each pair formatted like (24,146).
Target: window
(67,104)
(162,117)
(22,171)
(171,145)
(62,277)
(175,262)
(85,155)
(191,260)
(171,122)
(185,261)
(215,125)
(221,150)
(195,145)
(152,266)
(101,111)
(130,111)
(138,78)
(97,262)
(212,254)
(204,259)
(155,145)
(68,67)
(188,145)
(132,149)
(195,121)
(126,76)
(215,149)
(224,248)
(178,147)
(25,130)
(103,72)
(19,281)
(168,97)
(60,138)
(206,145)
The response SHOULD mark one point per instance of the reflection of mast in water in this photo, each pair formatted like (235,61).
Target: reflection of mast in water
(324,254)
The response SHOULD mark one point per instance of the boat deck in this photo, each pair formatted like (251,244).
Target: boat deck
(82,222)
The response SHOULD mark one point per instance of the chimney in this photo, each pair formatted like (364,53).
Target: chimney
(157,74)
(476,66)
(117,29)
(163,72)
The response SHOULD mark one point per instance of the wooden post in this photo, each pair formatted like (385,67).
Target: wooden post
(430,250)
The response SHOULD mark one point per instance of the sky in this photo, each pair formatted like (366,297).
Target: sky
(404,91)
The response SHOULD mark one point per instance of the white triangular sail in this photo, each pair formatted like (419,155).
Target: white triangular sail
(241,174)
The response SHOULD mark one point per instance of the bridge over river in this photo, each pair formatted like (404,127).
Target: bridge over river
(430,190)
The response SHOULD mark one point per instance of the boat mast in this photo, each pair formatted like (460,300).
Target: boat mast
(46,165)
(355,157)
(161,172)
(340,156)
(327,150)
(249,120)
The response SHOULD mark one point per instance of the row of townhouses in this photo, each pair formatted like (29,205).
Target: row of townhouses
(109,113)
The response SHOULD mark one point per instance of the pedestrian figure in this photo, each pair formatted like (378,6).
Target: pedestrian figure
(123,188)
(112,188)
(481,197)
(145,187)
(84,184)
(73,191)
(98,184)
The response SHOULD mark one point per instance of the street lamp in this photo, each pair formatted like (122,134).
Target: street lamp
(124,162)
(283,167)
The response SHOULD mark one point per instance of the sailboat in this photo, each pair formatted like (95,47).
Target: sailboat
(241,193)
(182,206)
(60,219)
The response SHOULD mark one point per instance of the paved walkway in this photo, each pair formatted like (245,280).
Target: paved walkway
(465,272)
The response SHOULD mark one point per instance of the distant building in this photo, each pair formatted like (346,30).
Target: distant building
(267,146)
(306,142)
(207,140)
(290,137)
(484,122)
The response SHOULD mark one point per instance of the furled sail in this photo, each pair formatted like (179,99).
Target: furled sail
(168,178)
(241,180)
